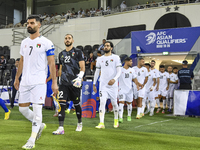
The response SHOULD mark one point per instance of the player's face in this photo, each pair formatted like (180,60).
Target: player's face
(175,71)
(162,70)
(141,62)
(152,64)
(68,40)
(33,26)
(147,67)
(107,48)
(169,69)
(129,63)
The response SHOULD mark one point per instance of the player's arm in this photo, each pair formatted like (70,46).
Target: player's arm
(145,81)
(52,68)
(168,81)
(136,83)
(154,83)
(18,74)
(111,82)
(78,80)
(96,75)
(158,83)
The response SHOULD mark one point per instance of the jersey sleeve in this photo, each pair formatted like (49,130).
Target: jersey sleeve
(118,62)
(146,72)
(157,74)
(50,48)
(98,66)
(21,49)
(80,56)
(133,74)
(59,57)
(176,77)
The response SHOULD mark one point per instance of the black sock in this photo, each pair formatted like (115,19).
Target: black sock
(78,112)
(61,114)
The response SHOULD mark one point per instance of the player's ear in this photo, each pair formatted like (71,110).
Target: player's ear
(39,24)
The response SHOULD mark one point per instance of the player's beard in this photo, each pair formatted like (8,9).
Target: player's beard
(68,45)
(107,51)
(31,30)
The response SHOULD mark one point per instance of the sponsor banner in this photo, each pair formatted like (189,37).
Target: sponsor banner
(186,102)
(167,40)
(5,95)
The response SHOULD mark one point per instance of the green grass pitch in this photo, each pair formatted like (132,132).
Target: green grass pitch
(160,132)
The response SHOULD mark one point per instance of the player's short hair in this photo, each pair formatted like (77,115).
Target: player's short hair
(36,17)
(153,61)
(140,58)
(127,59)
(18,59)
(111,44)
(162,66)
(147,64)
(175,68)
(99,52)
(70,35)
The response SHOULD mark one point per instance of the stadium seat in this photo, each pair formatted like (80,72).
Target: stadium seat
(87,49)
(9,66)
(11,61)
(80,47)
(6,48)
(95,46)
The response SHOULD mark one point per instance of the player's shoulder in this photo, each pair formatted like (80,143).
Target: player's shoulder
(115,56)
(61,53)
(25,40)
(144,68)
(134,67)
(44,39)
(77,50)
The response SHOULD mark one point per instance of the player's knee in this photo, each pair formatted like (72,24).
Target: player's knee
(121,102)
(23,110)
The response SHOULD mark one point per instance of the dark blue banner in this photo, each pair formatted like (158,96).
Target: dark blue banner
(167,40)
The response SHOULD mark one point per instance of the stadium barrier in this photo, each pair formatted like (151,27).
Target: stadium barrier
(187,102)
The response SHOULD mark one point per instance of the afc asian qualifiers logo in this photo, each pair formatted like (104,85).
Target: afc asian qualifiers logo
(150,38)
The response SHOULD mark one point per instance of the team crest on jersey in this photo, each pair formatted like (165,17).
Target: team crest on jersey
(142,70)
(73,53)
(130,72)
(62,56)
(149,74)
(25,46)
(111,60)
(38,45)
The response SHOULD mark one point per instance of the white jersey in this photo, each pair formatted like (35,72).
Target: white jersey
(108,66)
(125,80)
(173,77)
(157,74)
(141,73)
(151,76)
(35,54)
(163,80)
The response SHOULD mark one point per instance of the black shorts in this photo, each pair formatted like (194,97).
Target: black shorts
(69,93)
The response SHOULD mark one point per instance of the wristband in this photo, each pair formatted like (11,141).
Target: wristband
(81,74)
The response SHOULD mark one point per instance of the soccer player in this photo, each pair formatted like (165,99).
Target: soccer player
(36,51)
(150,87)
(175,71)
(164,85)
(125,88)
(72,69)
(142,77)
(173,81)
(110,67)
(156,91)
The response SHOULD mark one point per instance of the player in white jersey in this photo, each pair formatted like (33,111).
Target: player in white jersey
(125,88)
(150,88)
(164,85)
(110,67)
(35,51)
(156,91)
(172,84)
(175,71)
(142,77)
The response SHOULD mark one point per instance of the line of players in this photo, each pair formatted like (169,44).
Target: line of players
(143,82)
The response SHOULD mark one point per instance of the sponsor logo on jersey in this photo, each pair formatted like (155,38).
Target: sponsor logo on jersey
(38,45)
(111,60)
(25,46)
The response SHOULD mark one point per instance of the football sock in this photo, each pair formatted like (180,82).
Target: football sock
(115,108)
(143,105)
(129,108)
(3,105)
(27,113)
(164,103)
(78,112)
(102,109)
(121,110)
(147,104)
(158,102)
(152,105)
(61,114)
(171,103)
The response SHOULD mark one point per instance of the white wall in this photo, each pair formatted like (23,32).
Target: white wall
(90,31)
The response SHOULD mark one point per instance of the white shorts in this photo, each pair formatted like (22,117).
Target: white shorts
(156,93)
(128,97)
(106,93)
(171,90)
(150,95)
(140,93)
(35,94)
(163,92)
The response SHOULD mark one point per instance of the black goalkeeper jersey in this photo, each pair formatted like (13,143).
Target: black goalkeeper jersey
(70,65)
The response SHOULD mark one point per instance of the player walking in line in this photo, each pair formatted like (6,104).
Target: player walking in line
(125,88)
(110,67)
(164,85)
(142,77)
(72,69)
(35,51)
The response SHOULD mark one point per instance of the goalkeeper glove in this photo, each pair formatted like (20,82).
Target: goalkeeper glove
(78,80)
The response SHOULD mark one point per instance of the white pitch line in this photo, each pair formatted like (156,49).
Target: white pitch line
(153,123)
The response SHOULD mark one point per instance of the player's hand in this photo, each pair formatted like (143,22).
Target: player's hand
(16,84)
(111,82)
(77,82)
(54,87)
(94,88)
(157,88)
(167,88)
(138,88)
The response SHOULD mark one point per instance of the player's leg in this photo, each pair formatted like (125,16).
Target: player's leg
(7,112)
(141,95)
(158,96)
(171,94)
(152,107)
(164,103)
(129,100)
(121,106)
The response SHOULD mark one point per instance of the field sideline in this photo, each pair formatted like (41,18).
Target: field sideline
(160,132)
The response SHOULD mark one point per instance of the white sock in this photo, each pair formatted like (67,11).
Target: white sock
(129,109)
(121,110)
(115,108)
(143,105)
(102,109)
(147,104)
(170,103)
(164,103)
(37,121)
(158,102)
(152,105)
(26,112)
